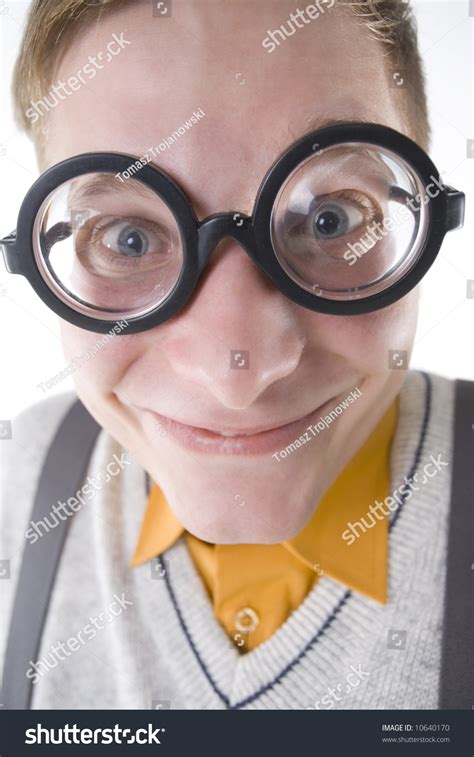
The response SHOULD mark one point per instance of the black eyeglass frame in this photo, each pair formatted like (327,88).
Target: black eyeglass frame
(252,233)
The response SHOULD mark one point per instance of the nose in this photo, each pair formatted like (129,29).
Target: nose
(238,335)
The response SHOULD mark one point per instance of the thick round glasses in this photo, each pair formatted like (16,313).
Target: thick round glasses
(347,221)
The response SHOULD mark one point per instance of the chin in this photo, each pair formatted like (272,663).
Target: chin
(252,533)
(247,509)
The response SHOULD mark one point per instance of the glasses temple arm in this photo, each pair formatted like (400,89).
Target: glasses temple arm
(456,203)
(10,254)
(57,233)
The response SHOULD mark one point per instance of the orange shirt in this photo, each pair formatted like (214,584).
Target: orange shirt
(255,587)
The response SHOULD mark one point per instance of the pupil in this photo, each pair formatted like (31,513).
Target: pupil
(328,222)
(132,243)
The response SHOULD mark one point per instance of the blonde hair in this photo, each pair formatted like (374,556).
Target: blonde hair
(51,23)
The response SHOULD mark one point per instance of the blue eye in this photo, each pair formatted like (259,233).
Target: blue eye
(132,242)
(332,220)
(119,244)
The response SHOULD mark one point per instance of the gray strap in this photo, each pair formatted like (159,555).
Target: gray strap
(62,476)
(456,684)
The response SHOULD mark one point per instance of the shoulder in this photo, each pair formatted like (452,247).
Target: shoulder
(21,462)
(425,420)
(32,431)
(433,399)
(41,419)
(428,398)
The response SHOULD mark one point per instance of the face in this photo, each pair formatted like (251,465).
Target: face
(204,430)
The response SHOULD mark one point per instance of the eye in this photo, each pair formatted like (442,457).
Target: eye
(334,219)
(128,240)
(118,246)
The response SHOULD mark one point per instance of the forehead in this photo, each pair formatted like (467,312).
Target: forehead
(209,55)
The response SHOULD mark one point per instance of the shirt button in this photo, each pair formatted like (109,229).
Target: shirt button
(246,620)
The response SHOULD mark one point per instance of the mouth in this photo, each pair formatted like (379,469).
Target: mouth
(256,441)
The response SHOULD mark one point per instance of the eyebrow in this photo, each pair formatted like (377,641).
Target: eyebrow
(105,183)
(314,123)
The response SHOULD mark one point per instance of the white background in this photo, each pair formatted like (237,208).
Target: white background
(29,338)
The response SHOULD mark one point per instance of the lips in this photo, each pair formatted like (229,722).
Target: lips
(256,441)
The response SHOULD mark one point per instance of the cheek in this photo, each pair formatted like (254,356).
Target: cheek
(100,360)
(366,341)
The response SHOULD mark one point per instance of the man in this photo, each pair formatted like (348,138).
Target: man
(287,547)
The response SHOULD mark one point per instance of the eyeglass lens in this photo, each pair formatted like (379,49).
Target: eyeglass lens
(110,247)
(347,222)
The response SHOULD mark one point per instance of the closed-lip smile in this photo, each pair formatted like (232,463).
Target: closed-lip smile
(232,441)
